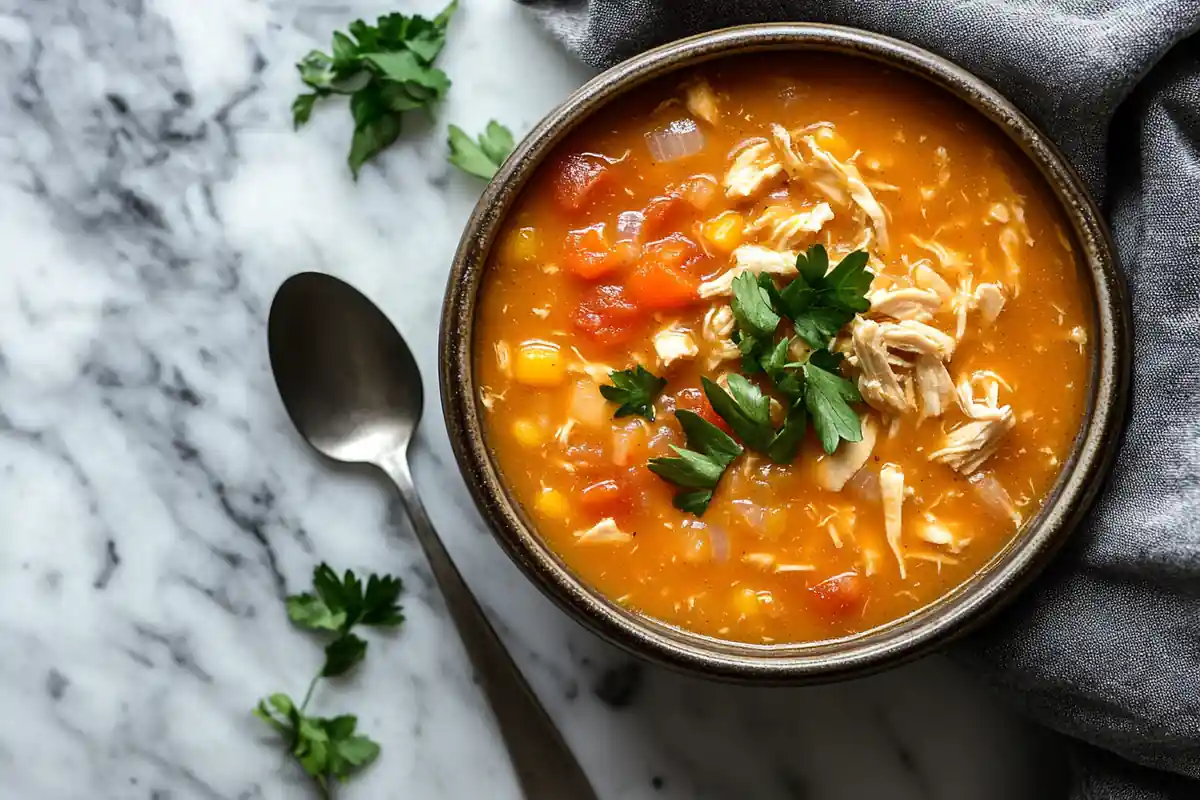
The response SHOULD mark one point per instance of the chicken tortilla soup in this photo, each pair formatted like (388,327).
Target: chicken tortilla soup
(782,349)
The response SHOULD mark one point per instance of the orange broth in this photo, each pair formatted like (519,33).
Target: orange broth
(776,557)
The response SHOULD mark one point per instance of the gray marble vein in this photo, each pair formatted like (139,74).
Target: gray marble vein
(157,506)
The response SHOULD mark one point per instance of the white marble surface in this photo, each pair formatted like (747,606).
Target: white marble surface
(155,504)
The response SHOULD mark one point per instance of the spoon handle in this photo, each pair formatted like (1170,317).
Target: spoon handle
(545,766)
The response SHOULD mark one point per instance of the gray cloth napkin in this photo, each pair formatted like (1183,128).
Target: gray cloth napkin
(1106,646)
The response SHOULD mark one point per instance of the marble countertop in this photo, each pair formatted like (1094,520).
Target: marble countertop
(157,504)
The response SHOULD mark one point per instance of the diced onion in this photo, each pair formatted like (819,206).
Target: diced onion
(629,226)
(864,486)
(625,439)
(720,543)
(754,515)
(993,495)
(677,140)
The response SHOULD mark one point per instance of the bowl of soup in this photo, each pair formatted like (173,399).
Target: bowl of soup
(784,353)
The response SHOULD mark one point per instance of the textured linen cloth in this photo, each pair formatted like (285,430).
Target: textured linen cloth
(1106,646)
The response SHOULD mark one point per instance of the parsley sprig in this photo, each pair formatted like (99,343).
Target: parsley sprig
(483,156)
(329,748)
(385,69)
(819,301)
(698,468)
(635,389)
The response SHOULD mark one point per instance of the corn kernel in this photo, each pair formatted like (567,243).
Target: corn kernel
(523,245)
(527,433)
(724,232)
(748,602)
(834,142)
(539,364)
(552,504)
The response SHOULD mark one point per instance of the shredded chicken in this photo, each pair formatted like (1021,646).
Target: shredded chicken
(931,530)
(755,169)
(606,531)
(503,357)
(914,304)
(701,100)
(891,490)
(925,277)
(962,302)
(673,343)
(966,447)
(789,230)
(839,181)
(1010,242)
(934,386)
(833,471)
(989,299)
(717,332)
(917,337)
(988,407)
(951,260)
(1079,336)
(850,178)
(751,258)
(877,383)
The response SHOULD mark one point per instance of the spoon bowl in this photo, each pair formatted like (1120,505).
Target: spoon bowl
(347,378)
(353,390)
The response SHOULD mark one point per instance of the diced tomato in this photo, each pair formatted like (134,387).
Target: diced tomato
(588,254)
(608,498)
(663,280)
(662,214)
(838,597)
(581,178)
(608,316)
(696,401)
(661,288)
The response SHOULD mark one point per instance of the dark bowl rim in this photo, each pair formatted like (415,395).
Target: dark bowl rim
(920,632)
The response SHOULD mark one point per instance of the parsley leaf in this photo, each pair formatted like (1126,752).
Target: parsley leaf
(635,389)
(819,304)
(751,306)
(756,319)
(787,440)
(787,382)
(849,282)
(481,159)
(744,408)
(342,654)
(828,395)
(386,69)
(329,750)
(699,467)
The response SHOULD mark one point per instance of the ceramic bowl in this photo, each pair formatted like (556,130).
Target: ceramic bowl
(998,581)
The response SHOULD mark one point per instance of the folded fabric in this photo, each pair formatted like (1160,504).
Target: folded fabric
(1106,646)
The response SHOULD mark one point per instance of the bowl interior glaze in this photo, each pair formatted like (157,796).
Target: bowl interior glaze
(1000,579)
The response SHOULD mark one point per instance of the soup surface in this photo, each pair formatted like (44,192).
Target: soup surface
(895,416)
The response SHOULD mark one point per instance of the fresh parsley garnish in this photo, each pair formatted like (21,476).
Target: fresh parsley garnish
(386,69)
(329,749)
(744,408)
(827,396)
(483,157)
(698,468)
(819,304)
(635,389)
(756,319)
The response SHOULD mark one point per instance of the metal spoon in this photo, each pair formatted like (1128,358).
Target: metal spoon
(353,389)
